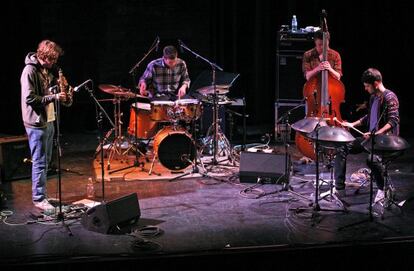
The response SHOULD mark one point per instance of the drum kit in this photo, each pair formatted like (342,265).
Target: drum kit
(162,122)
(327,140)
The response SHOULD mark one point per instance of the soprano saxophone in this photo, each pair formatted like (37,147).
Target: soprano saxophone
(65,87)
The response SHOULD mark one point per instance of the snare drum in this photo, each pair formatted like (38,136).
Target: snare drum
(160,109)
(191,109)
(174,147)
(146,127)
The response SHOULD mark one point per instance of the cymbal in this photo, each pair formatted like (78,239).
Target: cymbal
(331,135)
(221,89)
(386,143)
(307,125)
(111,89)
(121,92)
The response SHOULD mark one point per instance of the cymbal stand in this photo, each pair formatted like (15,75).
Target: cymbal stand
(133,74)
(115,147)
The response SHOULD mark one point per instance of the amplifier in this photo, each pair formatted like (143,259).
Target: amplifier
(13,150)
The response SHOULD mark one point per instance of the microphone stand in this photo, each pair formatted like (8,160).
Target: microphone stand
(60,215)
(214,67)
(99,120)
(286,186)
(132,71)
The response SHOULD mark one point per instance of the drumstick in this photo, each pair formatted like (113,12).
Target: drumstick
(335,119)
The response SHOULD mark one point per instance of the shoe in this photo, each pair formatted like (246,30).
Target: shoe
(44,205)
(379,197)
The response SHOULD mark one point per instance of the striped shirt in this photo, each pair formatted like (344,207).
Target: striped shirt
(161,78)
(390,104)
(311,60)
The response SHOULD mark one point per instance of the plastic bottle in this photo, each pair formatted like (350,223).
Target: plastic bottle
(294,24)
(90,189)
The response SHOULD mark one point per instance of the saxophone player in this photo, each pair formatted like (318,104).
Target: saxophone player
(38,113)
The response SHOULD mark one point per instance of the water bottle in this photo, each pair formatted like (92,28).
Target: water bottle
(90,190)
(294,24)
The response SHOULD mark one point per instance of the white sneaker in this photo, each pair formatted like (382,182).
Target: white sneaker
(379,196)
(44,205)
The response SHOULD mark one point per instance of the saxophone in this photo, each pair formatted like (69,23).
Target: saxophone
(65,87)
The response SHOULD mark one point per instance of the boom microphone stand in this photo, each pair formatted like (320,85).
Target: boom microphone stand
(99,120)
(60,215)
(153,47)
(214,67)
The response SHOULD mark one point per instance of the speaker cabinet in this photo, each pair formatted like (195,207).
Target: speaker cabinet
(105,218)
(254,165)
(13,151)
(289,54)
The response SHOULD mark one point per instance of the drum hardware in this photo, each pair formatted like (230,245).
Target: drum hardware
(137,98)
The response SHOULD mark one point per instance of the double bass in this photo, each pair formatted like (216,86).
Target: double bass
(324,95)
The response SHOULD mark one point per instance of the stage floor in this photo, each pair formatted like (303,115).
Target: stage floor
(192,220)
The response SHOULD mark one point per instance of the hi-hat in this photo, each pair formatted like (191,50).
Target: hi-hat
(331,135)
(220,89)
(307,125)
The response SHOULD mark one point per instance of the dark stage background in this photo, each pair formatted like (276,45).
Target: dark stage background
(104,39)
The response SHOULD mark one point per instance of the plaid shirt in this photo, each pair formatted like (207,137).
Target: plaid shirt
(311,60)
(389,102)
(161,78)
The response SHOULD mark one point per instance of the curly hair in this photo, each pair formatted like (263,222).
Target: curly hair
(48,49)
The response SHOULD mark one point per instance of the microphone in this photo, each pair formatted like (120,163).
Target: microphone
(157,42)
(180,44)
(77,88)
(184,157)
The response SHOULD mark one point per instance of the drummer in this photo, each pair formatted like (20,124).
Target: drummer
(383,118)
(165,78)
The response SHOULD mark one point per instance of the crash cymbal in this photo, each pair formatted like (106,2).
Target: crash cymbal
(112,89)
(386,143)
(331,135)
(221,89)
(307,125)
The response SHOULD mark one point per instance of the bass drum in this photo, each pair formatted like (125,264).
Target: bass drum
(174,147)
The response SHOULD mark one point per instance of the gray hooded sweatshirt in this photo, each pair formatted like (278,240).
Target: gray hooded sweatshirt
(34,97)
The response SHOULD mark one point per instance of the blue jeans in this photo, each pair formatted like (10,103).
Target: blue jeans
(41,147)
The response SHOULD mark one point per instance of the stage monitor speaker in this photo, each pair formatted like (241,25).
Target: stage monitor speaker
(107,217)
(14,151)
(255,165)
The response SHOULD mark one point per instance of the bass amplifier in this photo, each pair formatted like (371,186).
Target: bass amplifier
(13,152)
